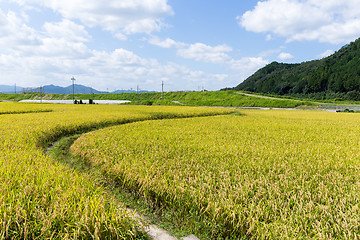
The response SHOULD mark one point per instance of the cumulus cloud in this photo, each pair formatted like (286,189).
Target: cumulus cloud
(61,39)
(268,37)
(326,53)
(121,69)
(122,17)
(297,20)
(248,65)
(205,53)
(58,51)
(68,30)
(220,55)
(285,56)
(14,34)
(167,43)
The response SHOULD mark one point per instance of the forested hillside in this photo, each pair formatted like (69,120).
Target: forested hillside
(337,75)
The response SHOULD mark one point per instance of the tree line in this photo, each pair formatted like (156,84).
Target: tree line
(337,76)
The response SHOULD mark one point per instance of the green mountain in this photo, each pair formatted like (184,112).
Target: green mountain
(336,74)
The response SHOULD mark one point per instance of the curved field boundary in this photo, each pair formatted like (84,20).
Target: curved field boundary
(41,198)
(16,108)
(269,174)
(23,112)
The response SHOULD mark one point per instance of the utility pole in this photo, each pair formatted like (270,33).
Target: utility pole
(40,94)
(92,93)
(15,87)
(73,81)
(137,94)
(162,90)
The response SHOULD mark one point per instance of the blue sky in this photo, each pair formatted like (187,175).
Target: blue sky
(188,45)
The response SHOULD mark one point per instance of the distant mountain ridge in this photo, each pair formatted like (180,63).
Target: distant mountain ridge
(338,73)
(59,90)
(10,89)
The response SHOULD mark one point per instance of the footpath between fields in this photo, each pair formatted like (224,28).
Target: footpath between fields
(60,151)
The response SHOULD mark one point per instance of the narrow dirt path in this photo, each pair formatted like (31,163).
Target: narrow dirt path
(154,231)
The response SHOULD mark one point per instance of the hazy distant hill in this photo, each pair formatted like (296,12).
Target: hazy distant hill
(10,89)
(81,89)
(338,73)
(61,90)
(50,89)
(55,89)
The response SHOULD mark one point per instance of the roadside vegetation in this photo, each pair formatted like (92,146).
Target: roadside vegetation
(41,198)
(205,98)
(262,175)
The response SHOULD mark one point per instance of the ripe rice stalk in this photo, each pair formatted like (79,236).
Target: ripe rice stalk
(266,174)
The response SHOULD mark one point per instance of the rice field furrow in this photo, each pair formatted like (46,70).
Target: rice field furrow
(268,174)
(43,199)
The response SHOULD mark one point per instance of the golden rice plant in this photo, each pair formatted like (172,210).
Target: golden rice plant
(267,174)
(15,108)
(42,199)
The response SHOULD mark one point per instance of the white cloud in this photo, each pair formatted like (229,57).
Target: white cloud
(326,54)
(51,54)
(119,16)
(58,51)
(219,55)
(205,53)
(14,33)
(248,65)
(119,69)
(285,56)
(68,30)
(241,68)
(124,69)
(59,48)
(270,52)
(297,20)
(167,43)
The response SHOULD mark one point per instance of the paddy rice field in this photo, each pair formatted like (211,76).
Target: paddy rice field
(253,174)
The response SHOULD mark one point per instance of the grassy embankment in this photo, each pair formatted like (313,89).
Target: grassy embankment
(41,198)
(216,98)
(264,175)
